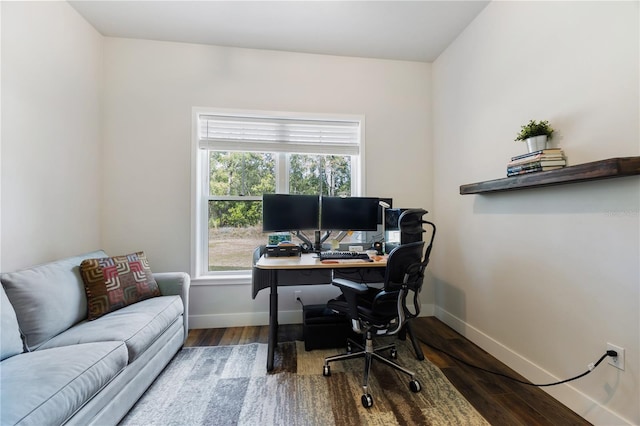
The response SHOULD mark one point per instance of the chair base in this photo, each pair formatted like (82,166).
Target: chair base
(369,354)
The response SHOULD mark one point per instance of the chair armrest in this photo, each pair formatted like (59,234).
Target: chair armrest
(176,283)
(350,286)
(351,290)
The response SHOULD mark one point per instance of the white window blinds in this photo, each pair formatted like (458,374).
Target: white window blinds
(278,134)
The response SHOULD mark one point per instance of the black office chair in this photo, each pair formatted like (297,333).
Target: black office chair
(382,312)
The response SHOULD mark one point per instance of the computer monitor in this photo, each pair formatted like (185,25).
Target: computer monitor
(349,213)
(282,212)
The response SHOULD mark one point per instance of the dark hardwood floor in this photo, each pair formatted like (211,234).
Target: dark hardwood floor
(500,401)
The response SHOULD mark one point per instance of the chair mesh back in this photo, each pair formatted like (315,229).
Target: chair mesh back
(405,264)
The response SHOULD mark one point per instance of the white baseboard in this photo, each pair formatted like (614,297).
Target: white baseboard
(577,401)
(242,319)
(261,318)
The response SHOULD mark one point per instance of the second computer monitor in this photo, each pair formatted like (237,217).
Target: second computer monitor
(349,213)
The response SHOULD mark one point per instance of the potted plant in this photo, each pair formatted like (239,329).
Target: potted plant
(536,134)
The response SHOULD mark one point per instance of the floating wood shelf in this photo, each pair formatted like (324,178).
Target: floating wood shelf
(604,169)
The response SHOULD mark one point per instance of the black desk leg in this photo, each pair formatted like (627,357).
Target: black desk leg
(273,319)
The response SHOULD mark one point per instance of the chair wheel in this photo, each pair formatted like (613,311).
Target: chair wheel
(349,350)
(367,401)
(394,353)
(326,371)
(414,385)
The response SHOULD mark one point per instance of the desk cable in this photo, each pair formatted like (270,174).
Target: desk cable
(591,367)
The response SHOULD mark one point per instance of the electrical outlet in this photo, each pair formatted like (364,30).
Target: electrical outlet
(297,295)
(618,361)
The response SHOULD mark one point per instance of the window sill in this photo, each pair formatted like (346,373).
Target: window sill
(222,279)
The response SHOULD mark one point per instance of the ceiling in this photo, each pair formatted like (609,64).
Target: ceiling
(399,30)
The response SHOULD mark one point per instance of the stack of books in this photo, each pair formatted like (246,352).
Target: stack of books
(538,161)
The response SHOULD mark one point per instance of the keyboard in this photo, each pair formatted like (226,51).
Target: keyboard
(343,255)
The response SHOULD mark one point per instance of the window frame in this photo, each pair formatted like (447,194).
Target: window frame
(200,191)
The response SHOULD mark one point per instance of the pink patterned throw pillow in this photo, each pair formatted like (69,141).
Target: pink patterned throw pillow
(112,283)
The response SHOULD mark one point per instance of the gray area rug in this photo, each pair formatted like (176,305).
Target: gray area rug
(229,385)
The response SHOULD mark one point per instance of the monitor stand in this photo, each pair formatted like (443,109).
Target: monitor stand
(316,245)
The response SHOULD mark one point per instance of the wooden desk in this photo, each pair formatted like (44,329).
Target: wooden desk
(307,261)
(311,261)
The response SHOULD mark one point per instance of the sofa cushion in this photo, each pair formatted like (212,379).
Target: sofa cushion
(49,386)
(10,340)
(48,298)
(138,325)
(112,283)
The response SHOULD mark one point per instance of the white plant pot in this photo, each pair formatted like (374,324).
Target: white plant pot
(537,143)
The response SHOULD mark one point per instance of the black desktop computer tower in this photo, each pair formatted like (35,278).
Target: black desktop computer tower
(411,230)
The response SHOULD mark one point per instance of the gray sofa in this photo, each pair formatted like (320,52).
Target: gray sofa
(58,368)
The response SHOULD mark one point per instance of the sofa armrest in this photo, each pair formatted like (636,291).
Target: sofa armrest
(176,283)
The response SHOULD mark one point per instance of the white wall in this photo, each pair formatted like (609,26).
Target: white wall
(150,90)
(543,278)
(51,90)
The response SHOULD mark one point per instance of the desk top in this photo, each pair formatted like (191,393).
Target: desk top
(311,261)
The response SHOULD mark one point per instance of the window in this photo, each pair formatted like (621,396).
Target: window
(239,155)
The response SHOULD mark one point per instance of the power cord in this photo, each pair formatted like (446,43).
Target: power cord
(591,367)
